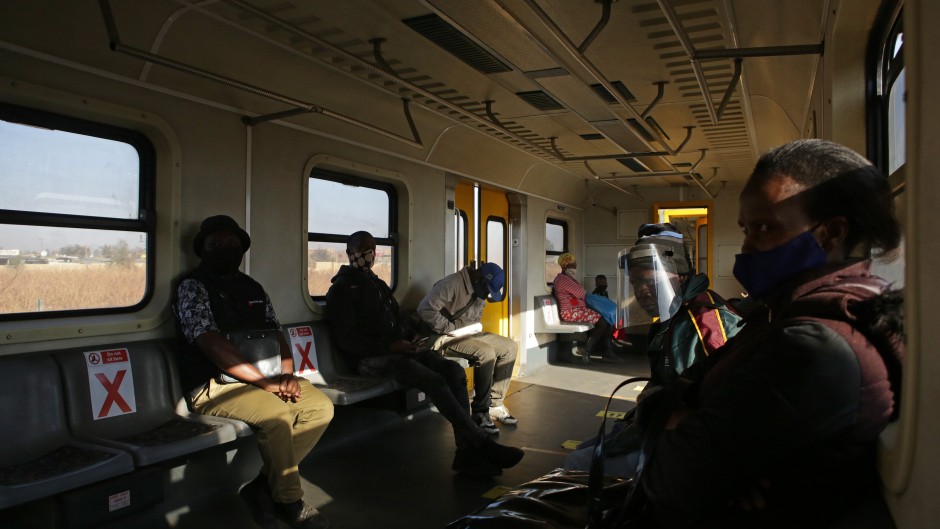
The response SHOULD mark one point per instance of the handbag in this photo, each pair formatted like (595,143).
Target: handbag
(260,347)
(571,499)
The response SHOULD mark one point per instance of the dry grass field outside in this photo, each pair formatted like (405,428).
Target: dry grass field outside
(318,279)
(34,288)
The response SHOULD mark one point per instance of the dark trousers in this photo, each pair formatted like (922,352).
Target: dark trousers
(443,380)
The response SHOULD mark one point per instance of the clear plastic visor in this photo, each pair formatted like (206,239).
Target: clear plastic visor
(648,288)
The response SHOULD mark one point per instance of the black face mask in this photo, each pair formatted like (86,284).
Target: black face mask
(479,288)
(601,288)
(223,261)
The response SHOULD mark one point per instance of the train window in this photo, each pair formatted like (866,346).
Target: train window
(337,206)
(496,241)
(888,95)
(76,216)
(556,243)
(462,239)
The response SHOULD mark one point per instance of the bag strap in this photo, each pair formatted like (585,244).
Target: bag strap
(674,393)
(452,318)
(596,477)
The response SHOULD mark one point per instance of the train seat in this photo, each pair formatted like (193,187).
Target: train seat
(547,319)
(334,375)
(122,396)
(38,455)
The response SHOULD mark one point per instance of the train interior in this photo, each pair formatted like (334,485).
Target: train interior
(457,132)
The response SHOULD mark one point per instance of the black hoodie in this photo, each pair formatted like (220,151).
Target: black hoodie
(364,316)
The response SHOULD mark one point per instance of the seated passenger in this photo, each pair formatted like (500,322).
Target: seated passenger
(367,327)
(453,311)
(288,412)
(573,307)
(600,286)
(689,323)
(782,430)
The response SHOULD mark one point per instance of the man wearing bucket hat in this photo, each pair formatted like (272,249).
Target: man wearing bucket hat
(212,304)
(453,309)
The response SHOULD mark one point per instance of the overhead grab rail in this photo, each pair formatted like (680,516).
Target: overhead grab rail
(635,194)
(301,107)
(690,173)
(697,56)
(385,70)
(586,63)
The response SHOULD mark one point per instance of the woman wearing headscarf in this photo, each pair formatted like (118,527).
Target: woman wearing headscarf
(572,307)
(782,429)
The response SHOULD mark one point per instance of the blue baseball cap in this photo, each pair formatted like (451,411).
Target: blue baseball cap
(495,280)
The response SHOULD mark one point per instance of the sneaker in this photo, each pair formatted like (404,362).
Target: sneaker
(485,423)
(501,414)
(301,515)
(581,353)
(471,463)
(501,455)
(256,496)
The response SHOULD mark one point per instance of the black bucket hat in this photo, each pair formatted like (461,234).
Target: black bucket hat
(216,224)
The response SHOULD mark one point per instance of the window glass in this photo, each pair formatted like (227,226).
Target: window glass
(337,206)
(896,106)
(462,240)
(496,241)
(74,228)
(556,243)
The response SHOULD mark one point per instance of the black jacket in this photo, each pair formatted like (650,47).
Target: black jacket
(364,316)
(797,400)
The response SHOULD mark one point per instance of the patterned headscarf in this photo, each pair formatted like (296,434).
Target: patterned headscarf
(565,259)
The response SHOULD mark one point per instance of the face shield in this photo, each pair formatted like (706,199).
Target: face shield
(648,288)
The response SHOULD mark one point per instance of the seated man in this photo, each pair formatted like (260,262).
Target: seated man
(289,413)
(367,327)
(689,323)
(600,286)
(453,305)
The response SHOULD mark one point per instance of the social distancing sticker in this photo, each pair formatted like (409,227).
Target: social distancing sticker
(305,354)
(110,383)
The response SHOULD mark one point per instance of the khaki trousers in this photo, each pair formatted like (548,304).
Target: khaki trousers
(287,431)
(494,356)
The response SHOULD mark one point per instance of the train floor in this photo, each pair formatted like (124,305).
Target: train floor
(377,467)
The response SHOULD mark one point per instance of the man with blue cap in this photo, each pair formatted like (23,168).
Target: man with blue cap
(453,310)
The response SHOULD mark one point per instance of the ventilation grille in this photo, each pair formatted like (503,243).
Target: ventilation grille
(435,29)
(607,96)
(592,137)
(640,130)
(540,100)
(634,165)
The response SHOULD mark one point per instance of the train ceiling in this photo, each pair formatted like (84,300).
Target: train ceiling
(625,92)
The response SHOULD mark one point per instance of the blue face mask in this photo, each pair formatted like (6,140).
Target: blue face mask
(760,272)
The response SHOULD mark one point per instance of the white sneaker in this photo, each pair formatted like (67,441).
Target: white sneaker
(485,423)
(501,414)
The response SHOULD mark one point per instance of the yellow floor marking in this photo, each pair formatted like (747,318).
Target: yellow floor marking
(612,414)
(496,492)
(570,444)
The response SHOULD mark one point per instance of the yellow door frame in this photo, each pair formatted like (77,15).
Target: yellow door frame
(689,204)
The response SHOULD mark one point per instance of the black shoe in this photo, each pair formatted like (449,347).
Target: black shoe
(501,455)
(610,356)
(255,494)
(471,463)
(301,515)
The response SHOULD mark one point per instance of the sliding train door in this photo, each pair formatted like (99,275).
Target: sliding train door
(482,226)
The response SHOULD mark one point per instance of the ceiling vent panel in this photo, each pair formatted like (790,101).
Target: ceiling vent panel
(576,96)
(621,135)
(540,100)
(438,31)
(592,137)
(634,165)
(608,97)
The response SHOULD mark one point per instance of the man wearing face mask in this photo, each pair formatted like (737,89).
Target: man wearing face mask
(367,327)
(453,310)
(289,413)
